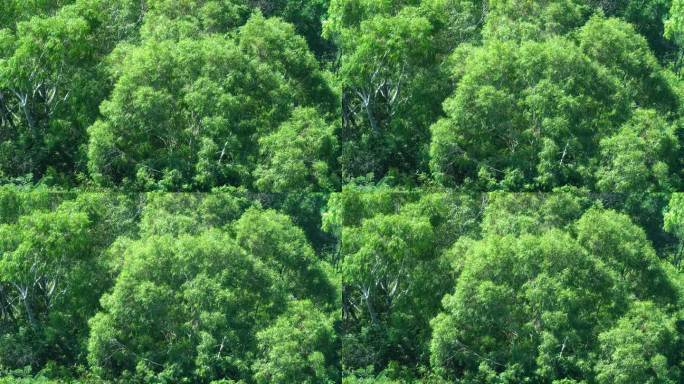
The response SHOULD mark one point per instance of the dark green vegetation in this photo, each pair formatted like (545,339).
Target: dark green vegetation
(162,288)
(342,191)
(425,286)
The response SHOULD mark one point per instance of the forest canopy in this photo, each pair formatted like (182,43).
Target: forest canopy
(341,191)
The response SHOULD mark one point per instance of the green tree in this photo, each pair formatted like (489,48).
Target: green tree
(175,20)
(183,309)
(618,47)
(534,20)
(642,156)
(51,82)
(644,346)
(673,223)
(44,277)
(279,244)
(394,274)
(199,105)
(524,308)
(624,248)
(515,121)
(537,298)
(53,269)
(191,213)
(306,15)
(650,20)
(15,11)
(299,347)
(301,155)
(391,79)
(674,26)
(530,115)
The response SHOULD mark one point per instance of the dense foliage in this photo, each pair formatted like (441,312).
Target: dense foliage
(342,191)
